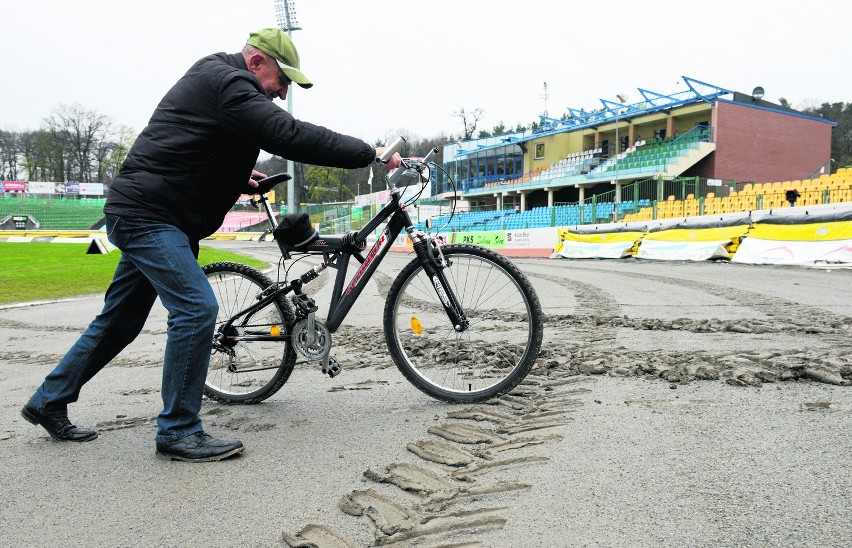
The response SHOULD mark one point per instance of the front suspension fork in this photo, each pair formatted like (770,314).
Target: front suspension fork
(434,263)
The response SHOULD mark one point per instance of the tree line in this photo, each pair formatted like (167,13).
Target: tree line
(73,144)
(78,144)
(841,136)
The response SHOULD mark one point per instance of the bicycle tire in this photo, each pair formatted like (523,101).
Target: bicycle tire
(489,358)
(249,371)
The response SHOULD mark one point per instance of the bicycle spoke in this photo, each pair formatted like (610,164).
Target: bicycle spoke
(244,368)
(501,340)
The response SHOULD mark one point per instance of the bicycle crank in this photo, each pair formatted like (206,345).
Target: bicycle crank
(312,340)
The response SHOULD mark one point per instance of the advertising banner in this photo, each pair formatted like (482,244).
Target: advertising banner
(40,187)
(92,189)
(595,250)
(532,238)
(785,252)
(492,238)
(14,186)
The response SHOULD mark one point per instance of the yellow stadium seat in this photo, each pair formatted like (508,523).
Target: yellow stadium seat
(776,199)
(746,187)
(734,206)
(749,202)
(809,197)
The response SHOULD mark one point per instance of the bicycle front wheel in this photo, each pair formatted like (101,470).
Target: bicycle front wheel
(253,357)
(488,358)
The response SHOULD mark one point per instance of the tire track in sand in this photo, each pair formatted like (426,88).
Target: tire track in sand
(443,496)
(587,343)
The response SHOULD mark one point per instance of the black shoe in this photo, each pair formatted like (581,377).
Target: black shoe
(57,425)
(199,447)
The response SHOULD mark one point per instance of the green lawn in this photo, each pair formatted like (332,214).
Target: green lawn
(36,271)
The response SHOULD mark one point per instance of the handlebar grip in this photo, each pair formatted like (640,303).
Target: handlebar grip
(431,153)
(391,150)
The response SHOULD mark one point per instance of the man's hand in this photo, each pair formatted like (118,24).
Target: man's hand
(255,174)
(395,160)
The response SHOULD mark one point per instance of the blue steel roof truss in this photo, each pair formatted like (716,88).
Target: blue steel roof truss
(578,119)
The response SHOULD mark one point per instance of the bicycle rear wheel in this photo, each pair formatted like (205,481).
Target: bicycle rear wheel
(487,359)
(243,370)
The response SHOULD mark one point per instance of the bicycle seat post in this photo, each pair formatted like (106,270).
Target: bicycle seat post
(268,210)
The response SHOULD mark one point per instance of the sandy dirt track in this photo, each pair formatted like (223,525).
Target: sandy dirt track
(684,404)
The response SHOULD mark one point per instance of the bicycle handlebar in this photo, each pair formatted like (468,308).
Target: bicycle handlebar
(391,150)
(265,185)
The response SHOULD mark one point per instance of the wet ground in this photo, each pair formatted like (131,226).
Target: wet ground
(673,404)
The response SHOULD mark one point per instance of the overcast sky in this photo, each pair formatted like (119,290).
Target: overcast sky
(381,65)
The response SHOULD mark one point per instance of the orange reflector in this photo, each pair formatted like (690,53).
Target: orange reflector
(275,331)
(415,326)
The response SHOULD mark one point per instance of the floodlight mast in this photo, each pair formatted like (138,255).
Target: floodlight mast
(285,18)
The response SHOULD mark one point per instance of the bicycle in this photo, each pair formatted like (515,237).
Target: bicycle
(461,322)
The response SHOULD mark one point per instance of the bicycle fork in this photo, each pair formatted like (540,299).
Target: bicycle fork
(434,263)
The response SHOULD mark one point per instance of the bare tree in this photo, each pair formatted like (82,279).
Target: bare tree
(112,153)
(29,153)
(9,154)
(83,130)
(469,120)
(44,155)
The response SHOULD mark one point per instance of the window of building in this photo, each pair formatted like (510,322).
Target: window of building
(493,166)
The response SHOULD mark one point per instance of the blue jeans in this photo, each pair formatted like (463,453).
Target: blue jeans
(157,260)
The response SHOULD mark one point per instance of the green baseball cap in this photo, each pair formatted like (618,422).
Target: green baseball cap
(276,44)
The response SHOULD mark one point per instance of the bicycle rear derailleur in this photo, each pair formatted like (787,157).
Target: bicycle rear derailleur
(311,338)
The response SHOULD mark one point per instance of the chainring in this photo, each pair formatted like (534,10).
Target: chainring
(321,345)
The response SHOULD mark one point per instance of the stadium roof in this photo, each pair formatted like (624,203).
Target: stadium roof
(696,91)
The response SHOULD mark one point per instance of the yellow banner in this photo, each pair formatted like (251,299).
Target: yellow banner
(699,234)
(811,232)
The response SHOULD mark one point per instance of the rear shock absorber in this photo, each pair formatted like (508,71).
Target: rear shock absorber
(312,274)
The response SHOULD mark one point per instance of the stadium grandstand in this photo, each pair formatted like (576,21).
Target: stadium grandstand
(701,150)
(50,213)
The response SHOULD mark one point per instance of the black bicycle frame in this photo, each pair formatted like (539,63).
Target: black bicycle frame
(336,252)
(343,298)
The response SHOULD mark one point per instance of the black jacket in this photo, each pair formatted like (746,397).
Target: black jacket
(193,160)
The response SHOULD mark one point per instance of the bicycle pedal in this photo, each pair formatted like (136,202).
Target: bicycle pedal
(331,368)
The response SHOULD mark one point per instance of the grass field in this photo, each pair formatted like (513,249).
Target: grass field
(37,271)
